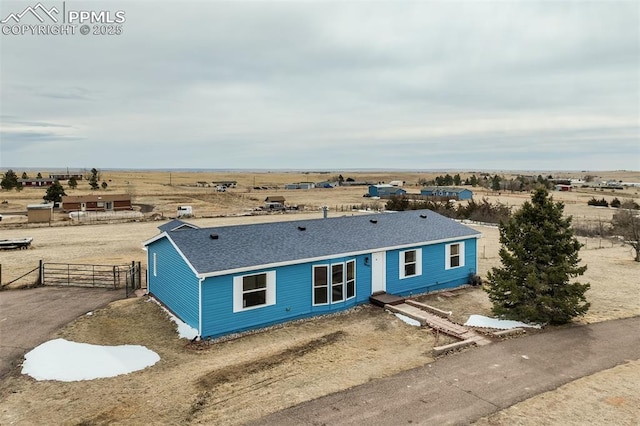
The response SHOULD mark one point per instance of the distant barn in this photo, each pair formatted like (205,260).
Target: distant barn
(385,191)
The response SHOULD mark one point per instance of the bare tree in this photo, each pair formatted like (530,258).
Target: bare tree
(626,223)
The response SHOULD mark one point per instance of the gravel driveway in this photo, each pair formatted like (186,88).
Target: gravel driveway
(32,316)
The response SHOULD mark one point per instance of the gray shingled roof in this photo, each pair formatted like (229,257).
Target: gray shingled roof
(175,224)
(245,246)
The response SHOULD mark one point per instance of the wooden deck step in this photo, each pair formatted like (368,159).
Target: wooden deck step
(382,299)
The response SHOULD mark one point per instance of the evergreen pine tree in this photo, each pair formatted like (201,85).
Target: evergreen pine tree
(539,257)
(10,180)
(54,193)
(73,182)
(93,180)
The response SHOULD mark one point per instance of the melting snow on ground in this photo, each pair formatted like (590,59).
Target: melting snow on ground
(408,320)
(67,361)
(486,322)
(185,331)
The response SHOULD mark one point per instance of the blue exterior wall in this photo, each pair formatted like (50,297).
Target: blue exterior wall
(294,298)
(465,195)
(173,283)
(294,288)
(434,274)
(375,191)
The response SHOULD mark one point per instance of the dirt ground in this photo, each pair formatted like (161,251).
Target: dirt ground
(289,364)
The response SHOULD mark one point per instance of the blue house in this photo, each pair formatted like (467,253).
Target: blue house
(229,279)
(385,190)
(447,191)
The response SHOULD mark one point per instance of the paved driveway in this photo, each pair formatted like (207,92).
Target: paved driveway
(461,388)
(31,317)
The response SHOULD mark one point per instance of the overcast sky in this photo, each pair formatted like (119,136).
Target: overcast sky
(509,85)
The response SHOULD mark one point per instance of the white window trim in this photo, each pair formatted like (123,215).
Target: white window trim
(155,261)
(418,263)
(326,286)
(238,291)
(447,259)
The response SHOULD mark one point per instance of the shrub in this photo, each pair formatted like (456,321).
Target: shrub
(600,203)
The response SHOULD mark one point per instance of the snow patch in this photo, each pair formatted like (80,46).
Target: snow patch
(67,361)
(486,322)
(185,331)
(408,320)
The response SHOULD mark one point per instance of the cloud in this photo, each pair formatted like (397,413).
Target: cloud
(328,84)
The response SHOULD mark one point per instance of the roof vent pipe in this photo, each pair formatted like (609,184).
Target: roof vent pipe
(325,211)
(373,220)
(301,228)
(214,236)
(424,216)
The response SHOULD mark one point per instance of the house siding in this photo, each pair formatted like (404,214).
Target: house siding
(173,282)
(434,275)
(219,319)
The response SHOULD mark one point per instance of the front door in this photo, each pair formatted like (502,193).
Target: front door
(378,269)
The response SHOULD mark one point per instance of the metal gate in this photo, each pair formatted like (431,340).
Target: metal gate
(114,277)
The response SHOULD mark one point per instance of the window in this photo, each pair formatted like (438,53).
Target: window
(254,291)
(334,283)
(320,285)
(337,282)
(410,263)
(454,255)
(155,271)
(351,279)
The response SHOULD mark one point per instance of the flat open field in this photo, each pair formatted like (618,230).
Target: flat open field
(285,365)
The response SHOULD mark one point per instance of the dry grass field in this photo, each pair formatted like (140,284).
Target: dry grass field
(294,362)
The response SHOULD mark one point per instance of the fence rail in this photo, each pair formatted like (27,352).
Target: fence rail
(108,276)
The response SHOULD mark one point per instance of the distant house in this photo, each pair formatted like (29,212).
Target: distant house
(274,199)
(229,279)
(36,182)
(100,203)
(385,190)
(563,188)
(225,183)
(274,202)
(447,192)
(300,185)
(65,176)
(396,183)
